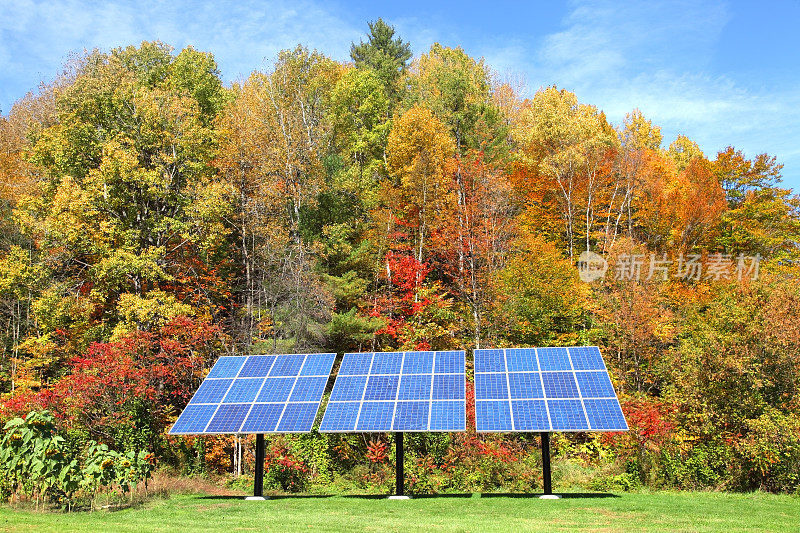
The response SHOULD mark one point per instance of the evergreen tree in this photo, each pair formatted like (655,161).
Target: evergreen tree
(385,54)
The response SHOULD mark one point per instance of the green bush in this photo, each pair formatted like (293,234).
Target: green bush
(37,463)
(768,456)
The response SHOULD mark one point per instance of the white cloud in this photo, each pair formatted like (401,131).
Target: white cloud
(241,34)
(657,57)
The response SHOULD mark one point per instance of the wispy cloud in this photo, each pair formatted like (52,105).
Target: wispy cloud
(657,57)
(241,34)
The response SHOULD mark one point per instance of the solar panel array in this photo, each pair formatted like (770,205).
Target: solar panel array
(398,391)
(545,389)
(258,394)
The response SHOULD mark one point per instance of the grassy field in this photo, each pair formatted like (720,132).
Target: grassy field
(663,511)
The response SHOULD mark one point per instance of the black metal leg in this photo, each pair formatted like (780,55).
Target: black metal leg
(258,484)
(548,487)
(398,460)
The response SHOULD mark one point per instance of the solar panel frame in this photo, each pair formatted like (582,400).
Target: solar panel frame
(258,394)
(425,392)
(549,389)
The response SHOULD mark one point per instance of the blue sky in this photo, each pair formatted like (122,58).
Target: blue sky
(722,73)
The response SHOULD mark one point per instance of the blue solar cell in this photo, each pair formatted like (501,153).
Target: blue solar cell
(309,389)
(525,385)
(521,360)
(355,364)
(211,391)
(381,388)
(243,390)
(492,416)
(287,365)
(318,364)
(448,386)
(418,363)
(449,363)
(447,416)
(276,390)
(348,388)
(194,419)
(490,387)
(530,415)
(228,418)
(257,366)
(414,387)
(375,416)
(586,358)
(226,367)
(489,361)
(387,363)
(340,416)
(595,385)
(553,359)
(263,418)
(411,416)
(605,415)
(559,385)
(298,417)
(567,415)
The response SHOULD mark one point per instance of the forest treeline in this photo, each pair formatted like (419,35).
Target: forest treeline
(154,218)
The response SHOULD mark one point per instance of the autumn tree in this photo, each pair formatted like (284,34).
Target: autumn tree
(126,213)
(563,148)
(419,148)
(276,132)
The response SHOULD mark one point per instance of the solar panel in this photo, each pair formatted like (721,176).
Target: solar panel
(545,389)
(258,394)
(398,391)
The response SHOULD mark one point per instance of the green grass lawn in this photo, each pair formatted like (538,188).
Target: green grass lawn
(665,511)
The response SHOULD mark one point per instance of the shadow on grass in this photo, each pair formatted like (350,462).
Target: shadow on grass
(564,495)
(267,496)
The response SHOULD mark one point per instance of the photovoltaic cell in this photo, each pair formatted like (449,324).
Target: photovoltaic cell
(257,366)
(263,417)
(226,367)
(489,361)
(243,390)
(375,416)
(525,385)
(211,391)
(545,389)
(258,394)
(411,416)
(276,390)
(445,413)
(566,414)
(605,414)
(493,415)
(586,358)
(530,415)
(348,388)
(398,391)
(415,387)
(381,388)
(595,385)
(194,419)
(341,416)
(228,418)
(356,364)
(559,385)
(448,387)
(491,386)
